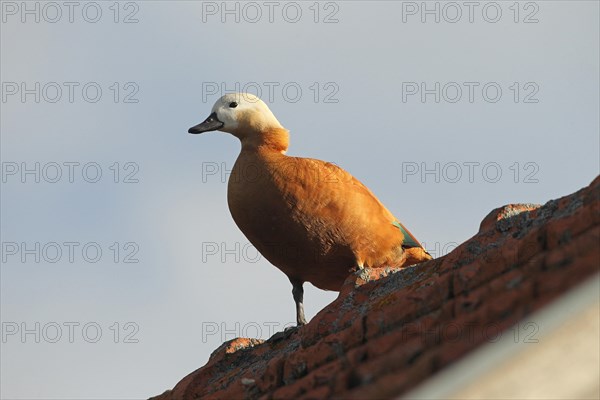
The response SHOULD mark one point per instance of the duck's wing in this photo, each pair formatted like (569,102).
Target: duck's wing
(330,201)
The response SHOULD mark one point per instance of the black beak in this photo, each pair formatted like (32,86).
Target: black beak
(211,123)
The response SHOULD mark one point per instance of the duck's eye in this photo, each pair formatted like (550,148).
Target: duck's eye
(233,104)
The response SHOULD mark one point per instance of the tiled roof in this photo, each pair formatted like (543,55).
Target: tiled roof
(390,330)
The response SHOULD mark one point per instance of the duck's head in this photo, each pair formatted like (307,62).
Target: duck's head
(242,114)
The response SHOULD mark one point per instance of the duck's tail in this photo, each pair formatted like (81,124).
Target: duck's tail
(415,252)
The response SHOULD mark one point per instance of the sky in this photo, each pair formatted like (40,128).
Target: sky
(122,269)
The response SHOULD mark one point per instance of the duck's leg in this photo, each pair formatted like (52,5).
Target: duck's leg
(298,293)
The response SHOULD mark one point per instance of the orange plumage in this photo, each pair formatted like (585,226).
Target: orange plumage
(311,219)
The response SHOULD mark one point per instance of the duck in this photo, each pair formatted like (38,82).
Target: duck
(311,219)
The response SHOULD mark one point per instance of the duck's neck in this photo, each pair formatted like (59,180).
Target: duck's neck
(272,140)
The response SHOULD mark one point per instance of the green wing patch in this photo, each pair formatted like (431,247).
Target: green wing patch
(409,240)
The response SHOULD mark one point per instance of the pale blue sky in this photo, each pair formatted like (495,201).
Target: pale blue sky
(179,291)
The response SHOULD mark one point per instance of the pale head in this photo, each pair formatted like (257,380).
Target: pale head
(241,114)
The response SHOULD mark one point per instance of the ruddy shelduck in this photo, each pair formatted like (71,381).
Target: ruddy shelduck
(310,218)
